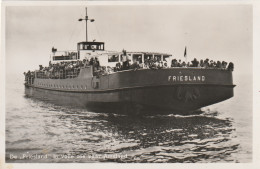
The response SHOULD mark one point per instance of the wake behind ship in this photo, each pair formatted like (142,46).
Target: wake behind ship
(140,81)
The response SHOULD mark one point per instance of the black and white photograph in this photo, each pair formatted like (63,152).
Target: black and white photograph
(128,83)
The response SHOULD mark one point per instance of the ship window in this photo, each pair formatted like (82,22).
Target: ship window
(137,57)
(93,47)
(81,86)
(165,57)
(80,46)
(149,57)
(87,47)
(67,56)
(113,58)
(157,57)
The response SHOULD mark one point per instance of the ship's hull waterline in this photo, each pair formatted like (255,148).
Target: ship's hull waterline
(174,90)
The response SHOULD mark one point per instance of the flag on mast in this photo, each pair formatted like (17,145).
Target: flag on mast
(185,52)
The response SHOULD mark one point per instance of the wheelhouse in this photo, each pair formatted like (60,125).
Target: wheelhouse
(91,46)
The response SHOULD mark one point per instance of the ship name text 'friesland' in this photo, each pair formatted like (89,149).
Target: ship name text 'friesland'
(187,78)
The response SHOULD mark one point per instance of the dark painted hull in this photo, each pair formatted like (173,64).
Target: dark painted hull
(163,99)
(149,91)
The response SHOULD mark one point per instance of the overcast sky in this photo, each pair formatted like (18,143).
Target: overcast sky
(218,32)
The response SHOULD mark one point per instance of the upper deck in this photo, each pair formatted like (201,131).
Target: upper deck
(88,50)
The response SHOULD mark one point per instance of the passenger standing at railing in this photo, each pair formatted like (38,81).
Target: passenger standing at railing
(230,66)
(201,64)
(91,62)
(195,63)
(174,63)
(124,60)
(146,63)
(188,64)
(218,65)
(211,64)
(87,63)
(183,64)
(97,62)
(206,63)
(179,63)
(224,65)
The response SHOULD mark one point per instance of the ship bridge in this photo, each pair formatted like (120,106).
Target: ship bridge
(91,46)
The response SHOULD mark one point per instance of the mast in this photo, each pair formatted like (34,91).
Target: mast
(86,19)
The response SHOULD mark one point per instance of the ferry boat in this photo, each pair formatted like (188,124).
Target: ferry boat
(162,89)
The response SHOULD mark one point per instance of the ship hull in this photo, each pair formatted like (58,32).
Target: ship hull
(164,99)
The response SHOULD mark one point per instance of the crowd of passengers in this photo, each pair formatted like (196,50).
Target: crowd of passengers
(203,64)
(71,69)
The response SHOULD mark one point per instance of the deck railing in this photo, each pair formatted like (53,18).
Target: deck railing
(61,74)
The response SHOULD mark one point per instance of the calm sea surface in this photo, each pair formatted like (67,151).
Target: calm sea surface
(40,131)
